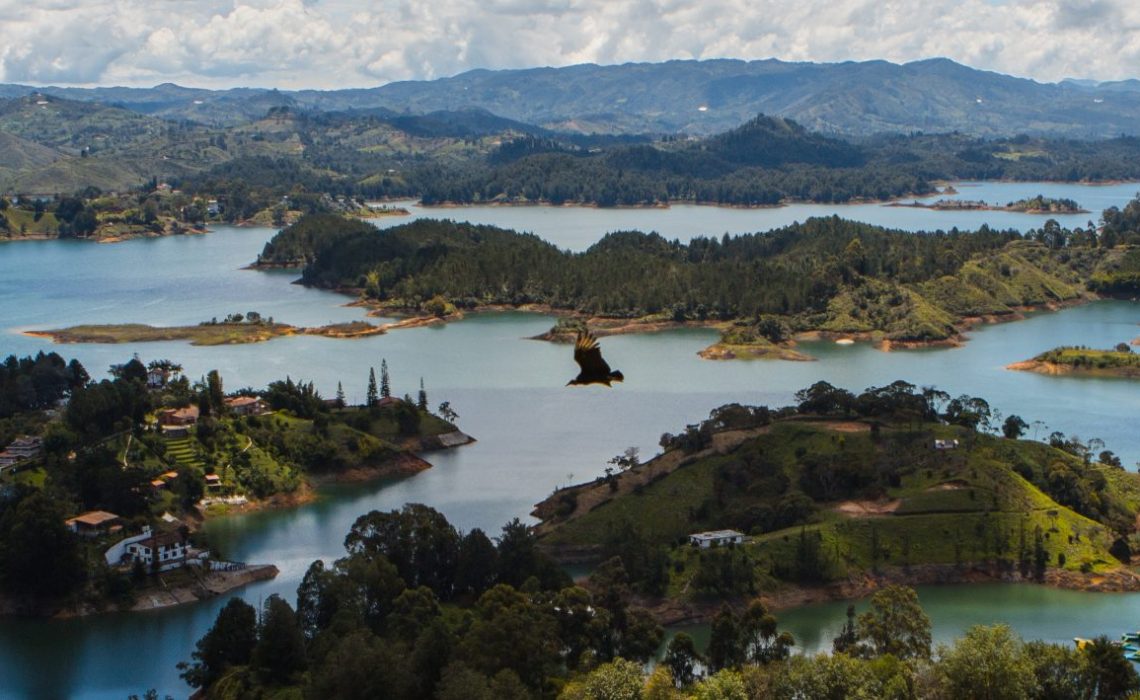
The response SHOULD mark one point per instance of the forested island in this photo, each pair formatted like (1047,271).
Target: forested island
(94,471)
(825,277)
(1032,205)
(842,493)
(1116,362)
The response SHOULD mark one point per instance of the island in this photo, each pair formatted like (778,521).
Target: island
(1031,205)
(234,330)
(841,494)
(103,497)
(1079,360)
(826,278)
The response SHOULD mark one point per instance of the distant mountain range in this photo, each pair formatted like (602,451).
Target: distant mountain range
(692,97)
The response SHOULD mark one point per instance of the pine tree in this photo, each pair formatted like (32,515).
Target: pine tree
(339,396)
(371,400)
(421,402)
(385,385)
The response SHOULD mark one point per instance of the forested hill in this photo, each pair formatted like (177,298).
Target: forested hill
(824,274)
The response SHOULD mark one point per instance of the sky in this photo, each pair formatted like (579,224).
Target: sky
(329,44)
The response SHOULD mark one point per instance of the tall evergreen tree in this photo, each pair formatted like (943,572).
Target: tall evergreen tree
(340,403)
(385,384)
(421,402)
(371,399)
(280,649)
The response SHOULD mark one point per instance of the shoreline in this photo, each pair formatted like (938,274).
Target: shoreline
(1121,580)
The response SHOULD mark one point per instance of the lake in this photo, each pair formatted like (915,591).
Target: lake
(533,433)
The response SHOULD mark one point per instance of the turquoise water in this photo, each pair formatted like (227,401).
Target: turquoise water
(534,434)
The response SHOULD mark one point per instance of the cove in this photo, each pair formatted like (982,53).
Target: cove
(534,434)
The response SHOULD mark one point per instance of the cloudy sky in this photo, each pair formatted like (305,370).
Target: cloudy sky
(326,44)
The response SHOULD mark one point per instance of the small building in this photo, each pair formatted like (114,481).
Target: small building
(247,405)
(163,552)
(716,538)
(94,523)
(213,481)
(168,476)
(26,447)
(179,416)
(158,484)
(945,444)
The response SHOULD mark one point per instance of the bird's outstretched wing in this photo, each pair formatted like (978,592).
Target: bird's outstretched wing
(589,356)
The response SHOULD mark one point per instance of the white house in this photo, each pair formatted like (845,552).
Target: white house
(716,538)
(945,444)
(164,551)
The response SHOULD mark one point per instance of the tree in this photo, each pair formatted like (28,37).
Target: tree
(215,395)
(681,658)
(1014,427)
(761,639)
(896,624)
(447,413)
(422,401)
(229,642)
(385,384)
(340,402)
(362,666)
(847,638)
(725,650)
(476,565)
(280,649)
(39,556)
(726,684)
(988,663)
(370,398)
(616,680)
(509,632)
(417,540)
(1109,674)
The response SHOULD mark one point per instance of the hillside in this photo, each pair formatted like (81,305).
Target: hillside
(888,486)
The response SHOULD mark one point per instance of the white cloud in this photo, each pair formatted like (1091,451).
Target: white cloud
(343,43)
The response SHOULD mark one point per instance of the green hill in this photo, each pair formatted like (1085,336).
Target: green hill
(829,498)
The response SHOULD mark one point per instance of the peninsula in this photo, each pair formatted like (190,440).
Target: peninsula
(844,493)
(103,498)
(1078,360)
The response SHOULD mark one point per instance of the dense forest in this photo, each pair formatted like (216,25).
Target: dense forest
(417,610)
(823,274)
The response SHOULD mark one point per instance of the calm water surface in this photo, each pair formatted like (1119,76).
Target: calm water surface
(534,434)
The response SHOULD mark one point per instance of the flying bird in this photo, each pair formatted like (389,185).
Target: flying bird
(594,369)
